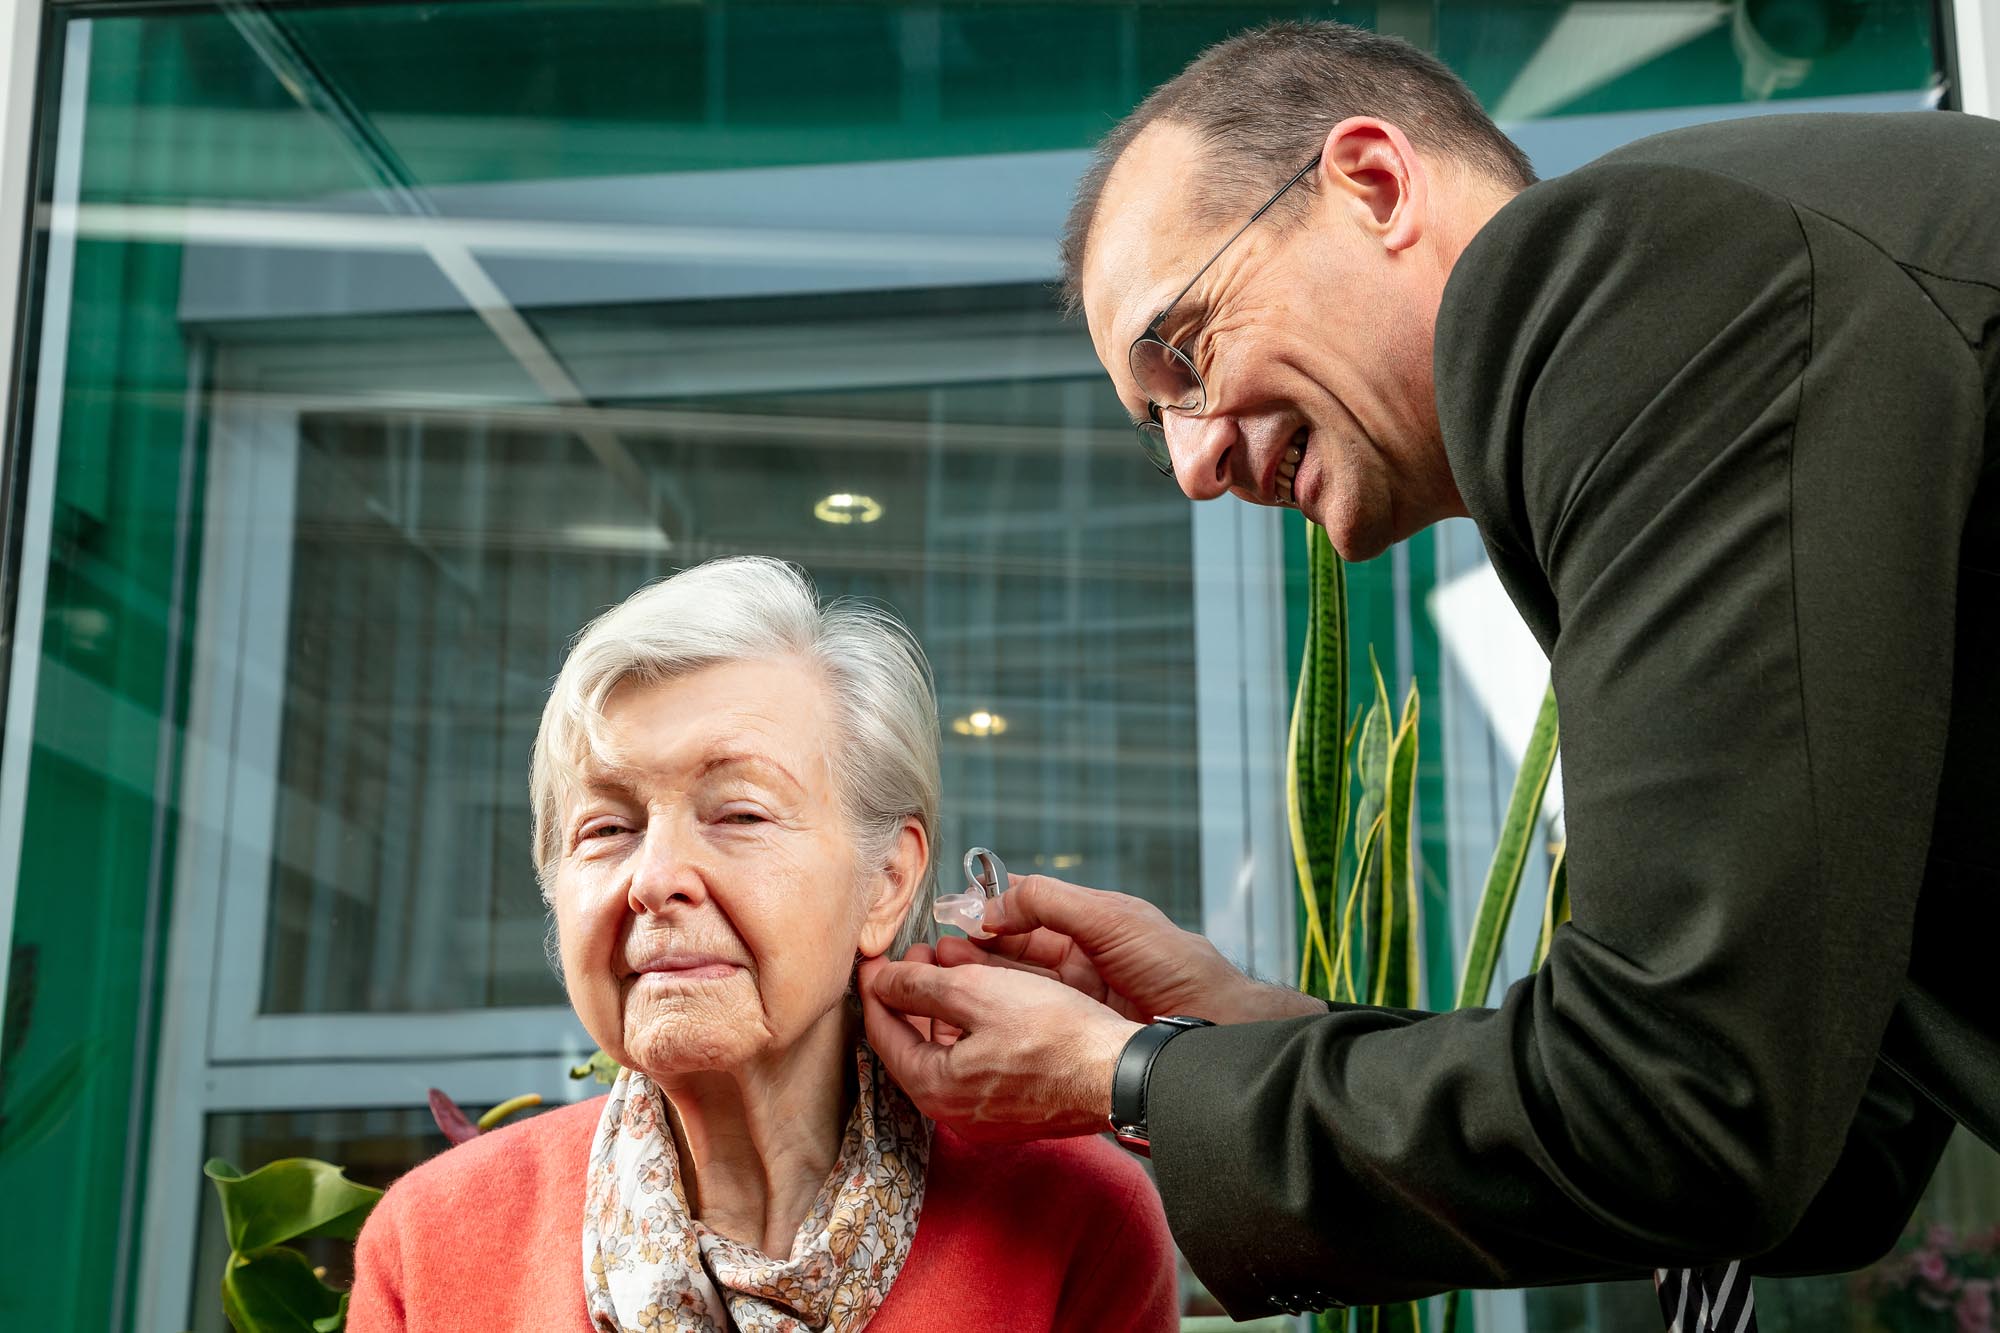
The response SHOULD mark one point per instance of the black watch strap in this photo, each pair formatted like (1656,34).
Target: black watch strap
(1135,1073)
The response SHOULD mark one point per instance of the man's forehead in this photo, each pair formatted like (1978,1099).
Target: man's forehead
(1142,245)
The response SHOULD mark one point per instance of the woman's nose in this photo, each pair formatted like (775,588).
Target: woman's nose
(663,874)
(1200,447)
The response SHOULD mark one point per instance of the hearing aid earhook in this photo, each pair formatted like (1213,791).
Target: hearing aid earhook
(986,878)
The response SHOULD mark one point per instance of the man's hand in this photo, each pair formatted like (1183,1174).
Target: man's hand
(1031,1058)
(1121,951)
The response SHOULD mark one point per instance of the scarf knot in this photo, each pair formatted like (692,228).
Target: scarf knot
(649,1266)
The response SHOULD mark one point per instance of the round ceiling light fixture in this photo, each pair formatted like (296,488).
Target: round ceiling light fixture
(979,723)
(843,507)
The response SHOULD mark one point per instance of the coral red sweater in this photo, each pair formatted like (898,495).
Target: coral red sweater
(488,1237)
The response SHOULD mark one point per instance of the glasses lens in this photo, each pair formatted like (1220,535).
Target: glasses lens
(1166,377)
(1153,439)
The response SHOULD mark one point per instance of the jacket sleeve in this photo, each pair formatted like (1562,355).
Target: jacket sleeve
(375,1305)
(1865,1204)
(1737,445)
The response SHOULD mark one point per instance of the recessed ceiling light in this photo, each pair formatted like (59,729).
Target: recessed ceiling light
(847,507)
(615,537)
(979,723)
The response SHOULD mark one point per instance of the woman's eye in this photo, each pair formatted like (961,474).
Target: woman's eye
(601,831)
(741,817)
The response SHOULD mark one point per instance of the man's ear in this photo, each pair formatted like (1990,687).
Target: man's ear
(1369,167)
(895,884)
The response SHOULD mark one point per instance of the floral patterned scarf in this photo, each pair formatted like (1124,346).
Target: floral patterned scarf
(648,1266)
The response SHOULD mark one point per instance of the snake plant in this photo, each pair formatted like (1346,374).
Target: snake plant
(1360,909)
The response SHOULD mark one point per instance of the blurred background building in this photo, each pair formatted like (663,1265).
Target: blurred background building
(359,352)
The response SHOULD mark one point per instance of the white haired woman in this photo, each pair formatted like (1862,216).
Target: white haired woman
(735,795)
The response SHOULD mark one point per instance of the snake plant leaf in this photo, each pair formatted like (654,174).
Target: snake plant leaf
(288,1199)
(1362,914)
(276,1290)
(1307,838)
(1555,910)
(1371,756)
(1395,969)
(1316,754)
(35,1113)
(1510,858)
(1362,899)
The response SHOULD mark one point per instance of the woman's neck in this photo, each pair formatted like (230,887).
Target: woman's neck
(757,1142)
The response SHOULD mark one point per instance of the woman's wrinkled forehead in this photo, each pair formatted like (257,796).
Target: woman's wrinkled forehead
(766,722)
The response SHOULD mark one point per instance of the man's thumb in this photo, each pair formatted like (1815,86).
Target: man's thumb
(1036,902)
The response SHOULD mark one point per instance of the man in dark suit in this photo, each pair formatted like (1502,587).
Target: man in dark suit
(1723,405)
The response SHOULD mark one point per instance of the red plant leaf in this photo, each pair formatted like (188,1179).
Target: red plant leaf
(455,1124)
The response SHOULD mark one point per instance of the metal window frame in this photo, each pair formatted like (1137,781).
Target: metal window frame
(218,1054)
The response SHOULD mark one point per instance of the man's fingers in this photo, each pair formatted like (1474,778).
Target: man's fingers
(914,1063)
(925,990)
(1037,902)
(954,952)
(1043,948)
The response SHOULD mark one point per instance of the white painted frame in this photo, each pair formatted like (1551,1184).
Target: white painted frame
(20,75)
(1975,31)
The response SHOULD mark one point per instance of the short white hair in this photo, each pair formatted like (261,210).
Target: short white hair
(882,758)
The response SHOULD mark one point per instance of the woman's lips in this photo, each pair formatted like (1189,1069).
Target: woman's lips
(677,971)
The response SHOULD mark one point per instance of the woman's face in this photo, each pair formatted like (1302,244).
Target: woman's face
(708,900)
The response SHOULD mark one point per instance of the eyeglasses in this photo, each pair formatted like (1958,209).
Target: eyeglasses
(1166,374)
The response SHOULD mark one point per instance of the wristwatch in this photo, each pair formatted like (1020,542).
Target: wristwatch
(1135,1072)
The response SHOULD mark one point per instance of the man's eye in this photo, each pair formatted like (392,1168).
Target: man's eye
(742,817)
(596,832)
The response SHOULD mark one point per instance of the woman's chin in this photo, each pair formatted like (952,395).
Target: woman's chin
(666,1046)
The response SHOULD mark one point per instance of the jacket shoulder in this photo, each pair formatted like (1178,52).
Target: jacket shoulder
(509,1168)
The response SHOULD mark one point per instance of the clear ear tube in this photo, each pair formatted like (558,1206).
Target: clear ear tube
(985,877)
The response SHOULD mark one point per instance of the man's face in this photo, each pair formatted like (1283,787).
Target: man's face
(1314,343)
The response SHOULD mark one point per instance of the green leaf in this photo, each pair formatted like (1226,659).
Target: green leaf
(336,1321)
(1510,858)
(1361,901)
(506,1110)
(289,1199)
(1555,910)
(599,1066)
(1371,759)
(1395,970)
(276,1291)
(1316,757)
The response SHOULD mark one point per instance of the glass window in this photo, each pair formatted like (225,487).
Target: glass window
(373,348)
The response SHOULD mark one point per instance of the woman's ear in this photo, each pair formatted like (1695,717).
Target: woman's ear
(894,886)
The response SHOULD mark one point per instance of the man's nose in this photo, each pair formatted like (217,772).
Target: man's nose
(662,872)
(1201,447)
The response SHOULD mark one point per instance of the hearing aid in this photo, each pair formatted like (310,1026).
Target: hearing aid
(986,878)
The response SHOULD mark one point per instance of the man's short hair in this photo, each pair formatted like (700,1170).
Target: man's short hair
(1263,102)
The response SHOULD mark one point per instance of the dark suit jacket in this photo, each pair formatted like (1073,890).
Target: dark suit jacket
(1723,405)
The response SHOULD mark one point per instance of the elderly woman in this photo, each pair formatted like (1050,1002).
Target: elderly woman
(735,797)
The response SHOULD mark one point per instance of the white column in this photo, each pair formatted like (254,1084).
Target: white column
(20,47)
(1976,43)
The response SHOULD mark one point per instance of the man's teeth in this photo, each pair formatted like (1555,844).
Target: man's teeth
(1288,468)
